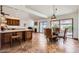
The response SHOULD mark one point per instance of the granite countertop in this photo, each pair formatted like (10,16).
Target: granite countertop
(7,31)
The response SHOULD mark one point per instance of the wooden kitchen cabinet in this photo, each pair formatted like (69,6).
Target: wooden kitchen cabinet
(5,39)
(13,22)
(7,36)
(28,35)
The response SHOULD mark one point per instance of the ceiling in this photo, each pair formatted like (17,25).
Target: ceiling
(47,10)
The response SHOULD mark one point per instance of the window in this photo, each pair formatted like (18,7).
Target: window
(62,24)
(43,25)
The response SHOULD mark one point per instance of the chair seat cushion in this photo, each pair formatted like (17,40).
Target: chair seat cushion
(15,36)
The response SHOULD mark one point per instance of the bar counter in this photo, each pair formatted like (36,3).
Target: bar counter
(26,34)
(7,31)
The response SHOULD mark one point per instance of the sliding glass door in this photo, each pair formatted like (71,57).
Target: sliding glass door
(55,24)
(64,23)
(43,25)
(67,23)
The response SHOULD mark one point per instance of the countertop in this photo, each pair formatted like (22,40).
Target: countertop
(7,31)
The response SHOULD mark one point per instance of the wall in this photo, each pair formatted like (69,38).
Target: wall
(73,15)
(24,16)
(40,20)
(78,23)
(26,19)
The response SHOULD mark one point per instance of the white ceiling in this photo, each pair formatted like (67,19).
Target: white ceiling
(47,10)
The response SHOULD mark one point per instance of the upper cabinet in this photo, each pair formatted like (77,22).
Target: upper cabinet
(13,22)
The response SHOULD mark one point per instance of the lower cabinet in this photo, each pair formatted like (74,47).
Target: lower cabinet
(6,37)
(28,35)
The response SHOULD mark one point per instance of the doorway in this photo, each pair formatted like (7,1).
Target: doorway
(43,25)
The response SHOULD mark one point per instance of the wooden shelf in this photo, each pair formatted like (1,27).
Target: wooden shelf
(13,22)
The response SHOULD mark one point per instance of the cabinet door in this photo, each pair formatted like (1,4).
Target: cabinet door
(8,21)
(17,22)
(12,22)
(28,35)
(6,37)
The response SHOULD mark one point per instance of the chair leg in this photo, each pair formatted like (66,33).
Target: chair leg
(11,43)
(20,40)
(64,39)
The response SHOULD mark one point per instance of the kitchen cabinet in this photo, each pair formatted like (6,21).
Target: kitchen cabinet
(28,35)
(13,22)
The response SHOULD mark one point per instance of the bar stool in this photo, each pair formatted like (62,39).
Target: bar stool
(16,36)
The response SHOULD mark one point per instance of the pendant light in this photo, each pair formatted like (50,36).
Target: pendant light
(53,17)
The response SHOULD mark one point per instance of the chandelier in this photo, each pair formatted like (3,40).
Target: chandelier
(53,17)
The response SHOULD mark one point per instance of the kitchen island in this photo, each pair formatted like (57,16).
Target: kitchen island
(7,35)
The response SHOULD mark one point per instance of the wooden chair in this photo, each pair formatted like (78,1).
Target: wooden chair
(16,36)
(49,35)
(56,31)
(48,32)
(64,34)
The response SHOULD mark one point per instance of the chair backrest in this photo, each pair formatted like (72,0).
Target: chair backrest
(17,34)
(48,32)
(57,30)
(65,32)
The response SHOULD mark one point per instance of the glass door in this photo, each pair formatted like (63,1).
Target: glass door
(43,25)
(67,24)
(62,24)
(55,24)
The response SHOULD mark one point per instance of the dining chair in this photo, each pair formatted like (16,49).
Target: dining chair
(49,35)
(48,32)
(63,35)
(56,31)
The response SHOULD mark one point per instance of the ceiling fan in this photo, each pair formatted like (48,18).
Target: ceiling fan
(1,11)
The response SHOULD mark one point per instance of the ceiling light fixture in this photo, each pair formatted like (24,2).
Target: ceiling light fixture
(53,17)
